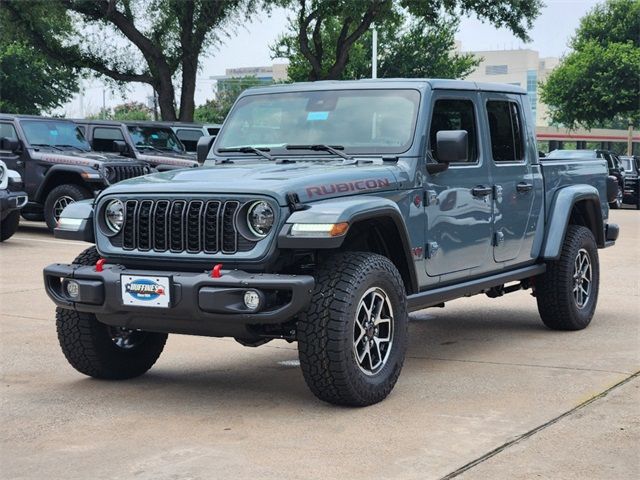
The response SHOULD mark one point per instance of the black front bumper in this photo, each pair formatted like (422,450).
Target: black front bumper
(10,201)
(199,305)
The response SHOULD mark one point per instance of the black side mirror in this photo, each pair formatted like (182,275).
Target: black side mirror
(452,146)
(120,147)
(204,146)
(10,144)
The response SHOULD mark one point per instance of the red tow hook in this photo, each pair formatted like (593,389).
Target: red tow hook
(217,271)
(100,265)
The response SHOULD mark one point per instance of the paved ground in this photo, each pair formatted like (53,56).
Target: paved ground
(486,392)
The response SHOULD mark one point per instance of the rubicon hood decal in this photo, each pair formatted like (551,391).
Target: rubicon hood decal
(343,187)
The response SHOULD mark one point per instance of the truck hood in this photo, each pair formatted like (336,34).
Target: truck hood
(311,180)
(156,159)
(85,159)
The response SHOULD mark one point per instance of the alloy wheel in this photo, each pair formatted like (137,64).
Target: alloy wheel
(373,331)
(582,275)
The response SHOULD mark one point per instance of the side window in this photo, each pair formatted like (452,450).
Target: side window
(455,114)
(189,138)
(7,130)
(83,130)
(505,127)
(103,138)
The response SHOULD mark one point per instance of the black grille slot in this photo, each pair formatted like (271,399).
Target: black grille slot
(229,233)
(191,226)
(176,226)
(211,213)
(129,232)
(160,216)
(123,172)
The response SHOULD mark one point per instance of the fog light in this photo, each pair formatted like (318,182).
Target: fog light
(251,299)
(73,289)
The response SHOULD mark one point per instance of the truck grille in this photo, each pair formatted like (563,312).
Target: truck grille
(117,173)
(192,226)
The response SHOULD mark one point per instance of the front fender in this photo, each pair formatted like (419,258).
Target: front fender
(81,173)
(560,212)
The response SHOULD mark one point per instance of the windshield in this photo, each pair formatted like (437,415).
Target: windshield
(362,121)
(155,138)
(627,163)
(572,154)
(54,133)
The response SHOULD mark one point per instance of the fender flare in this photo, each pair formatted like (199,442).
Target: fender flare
(69,169)
(562,206)
(350,210)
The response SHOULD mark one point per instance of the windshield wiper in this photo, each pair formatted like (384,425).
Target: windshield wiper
(335,149)
(72,146)
(249,149)
(45,145)
(149,147)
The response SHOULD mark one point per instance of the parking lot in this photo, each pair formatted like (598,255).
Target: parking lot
(486,392)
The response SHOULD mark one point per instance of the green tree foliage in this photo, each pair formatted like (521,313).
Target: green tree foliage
(158,42)
(598,82)
(30,83)
(326,38)
(228,90)
(125,111)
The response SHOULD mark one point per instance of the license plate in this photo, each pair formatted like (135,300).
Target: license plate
(145,291)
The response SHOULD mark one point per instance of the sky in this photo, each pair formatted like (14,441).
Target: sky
(250,47)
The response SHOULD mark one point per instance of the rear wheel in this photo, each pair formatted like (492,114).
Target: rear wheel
(103,351)
(9,225)
(353,337)
(59,198)
(567,293)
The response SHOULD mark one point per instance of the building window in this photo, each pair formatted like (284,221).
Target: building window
(496,70)
(532,89)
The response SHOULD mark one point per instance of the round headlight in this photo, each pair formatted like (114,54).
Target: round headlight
(260,217)
(114,215)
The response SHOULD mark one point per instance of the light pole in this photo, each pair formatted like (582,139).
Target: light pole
(374,52)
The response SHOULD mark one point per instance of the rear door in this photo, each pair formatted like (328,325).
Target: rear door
(458,200)
(517,184)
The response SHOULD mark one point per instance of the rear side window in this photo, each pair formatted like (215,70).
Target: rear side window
(7,130)
(103,138)
(505,126)
(189,138)
(454,114)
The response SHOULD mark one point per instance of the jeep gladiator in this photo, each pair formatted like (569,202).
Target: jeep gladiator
(324,214)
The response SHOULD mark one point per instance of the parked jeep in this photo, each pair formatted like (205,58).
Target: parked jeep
(57,164)
(326,213)
(12,199)
(147,141)
(631,166)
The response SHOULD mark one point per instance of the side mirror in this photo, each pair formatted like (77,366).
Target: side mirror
(10,144)
(204,147)
(452,146)
(120,147)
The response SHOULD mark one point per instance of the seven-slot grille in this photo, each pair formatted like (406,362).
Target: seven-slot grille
(191,226)
(117,173)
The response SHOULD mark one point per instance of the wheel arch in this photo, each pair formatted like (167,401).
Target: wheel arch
(60,176)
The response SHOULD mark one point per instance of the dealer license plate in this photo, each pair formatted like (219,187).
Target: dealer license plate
(145,291)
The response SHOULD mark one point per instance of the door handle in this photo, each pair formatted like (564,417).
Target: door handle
(481,191)
(524,187)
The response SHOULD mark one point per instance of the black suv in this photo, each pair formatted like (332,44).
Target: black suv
(631,166)
(151,142)
(57,164)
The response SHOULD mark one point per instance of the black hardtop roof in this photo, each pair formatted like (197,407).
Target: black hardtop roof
(116,123)
(180,124)
(12,116)
(148,123)
(390,83)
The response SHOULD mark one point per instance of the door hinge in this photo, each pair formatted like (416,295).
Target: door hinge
(432,249)
(497,193)
(498,239)
(430,198)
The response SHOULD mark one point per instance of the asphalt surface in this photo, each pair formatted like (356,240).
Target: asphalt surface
(486,392)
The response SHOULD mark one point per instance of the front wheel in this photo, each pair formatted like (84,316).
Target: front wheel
(352,338)
(567,293)
(59,198)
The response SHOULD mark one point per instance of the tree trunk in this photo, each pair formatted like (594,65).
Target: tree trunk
(166,100)
(187,100)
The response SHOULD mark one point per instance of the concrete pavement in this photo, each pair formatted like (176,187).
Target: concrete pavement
(486,392)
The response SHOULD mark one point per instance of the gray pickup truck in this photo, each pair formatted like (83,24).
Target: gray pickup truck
(324,214)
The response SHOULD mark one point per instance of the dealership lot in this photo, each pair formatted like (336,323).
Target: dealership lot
(479,375)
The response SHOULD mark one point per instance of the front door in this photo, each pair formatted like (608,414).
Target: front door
(13,160)
(457,201)
(516,181)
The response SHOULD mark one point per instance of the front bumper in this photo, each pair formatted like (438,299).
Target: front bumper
(10,201)
(199,305)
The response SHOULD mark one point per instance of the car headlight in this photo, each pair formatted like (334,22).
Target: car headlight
(114,215)
(260,218)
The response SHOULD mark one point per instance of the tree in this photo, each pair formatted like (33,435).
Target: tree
(327,33)
(228,90)
(30,83)
(157,42)
(598,82)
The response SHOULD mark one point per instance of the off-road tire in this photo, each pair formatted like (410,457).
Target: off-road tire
(619,199)
(76,192)
(554,289)
(325,329)
(9,225)
(88,346)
